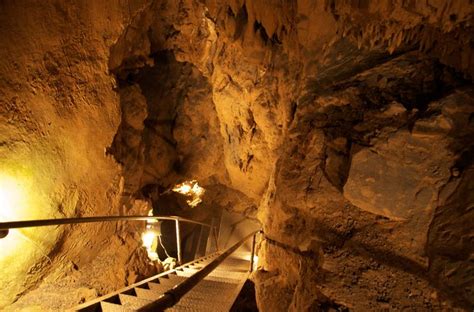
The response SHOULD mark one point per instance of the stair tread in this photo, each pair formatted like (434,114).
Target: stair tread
(150,294)
(197,304)
(172,277)
(160,287)
(190,269)
(132,302)
(112,307)
(172,280)
(216,292)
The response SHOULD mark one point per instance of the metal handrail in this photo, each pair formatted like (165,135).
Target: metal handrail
(172,296)
(6,226)
(49,222)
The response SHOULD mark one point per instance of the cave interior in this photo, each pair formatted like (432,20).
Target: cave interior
(343,129)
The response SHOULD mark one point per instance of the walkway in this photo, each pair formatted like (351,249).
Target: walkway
(216,292)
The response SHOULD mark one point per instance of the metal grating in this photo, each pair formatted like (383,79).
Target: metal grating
(216,292)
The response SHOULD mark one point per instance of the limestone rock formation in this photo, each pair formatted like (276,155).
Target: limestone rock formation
(344,127)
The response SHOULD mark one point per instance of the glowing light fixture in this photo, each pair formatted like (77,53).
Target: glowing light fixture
(150,244)
(17,246)
(12,199)
(149,237)
(11,195)
(190,188)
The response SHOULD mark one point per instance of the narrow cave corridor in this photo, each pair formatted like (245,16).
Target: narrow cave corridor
(155,135)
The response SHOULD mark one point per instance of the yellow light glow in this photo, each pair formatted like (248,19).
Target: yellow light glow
(150,213)
(17,247)
(13,207)
(19,200)
(190,188)
(28,191)
(149,239)
(12,198)
(197,190)
(183,189)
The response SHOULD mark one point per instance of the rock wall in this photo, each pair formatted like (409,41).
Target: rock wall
(344,127)
(371,235)
(58,113)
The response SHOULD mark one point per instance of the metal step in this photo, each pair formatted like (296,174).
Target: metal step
(132,302)
(186,272)
(216,292)
(149,294)
(158,284)
(197,304)
(112,307)
(168,282)
(209,286)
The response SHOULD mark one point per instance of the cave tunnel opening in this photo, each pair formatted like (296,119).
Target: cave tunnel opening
(151,99)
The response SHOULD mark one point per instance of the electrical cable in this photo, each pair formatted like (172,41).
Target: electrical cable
(40,248)
(161,243)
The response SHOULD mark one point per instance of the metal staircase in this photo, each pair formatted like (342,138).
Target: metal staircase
(218,291)
(139,294)
(211,283)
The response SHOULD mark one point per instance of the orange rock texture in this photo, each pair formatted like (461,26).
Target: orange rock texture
(344,127)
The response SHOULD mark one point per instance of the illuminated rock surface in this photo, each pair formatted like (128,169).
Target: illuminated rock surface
(344,127)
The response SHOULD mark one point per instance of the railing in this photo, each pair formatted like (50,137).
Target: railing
(6,226)
(172,296)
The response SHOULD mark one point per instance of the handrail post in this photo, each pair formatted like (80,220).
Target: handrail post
(209,237)
(217,230)
(178,241)
(198,247)
(173,295)
(216,237)
(253,252)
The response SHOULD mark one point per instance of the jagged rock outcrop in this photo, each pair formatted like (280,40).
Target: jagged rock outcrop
(391,168)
